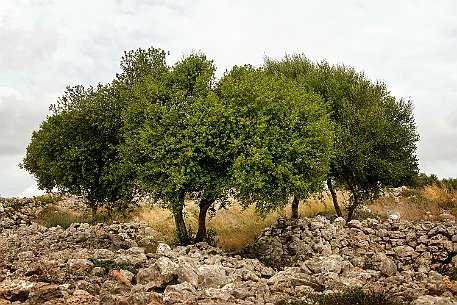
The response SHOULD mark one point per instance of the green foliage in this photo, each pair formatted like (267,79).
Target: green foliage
(48,199)
(281,137)
(448,271)
(210,237)
(422,180)
(375,134)
(77,148)
(184,239)
(449,184)
(350,297)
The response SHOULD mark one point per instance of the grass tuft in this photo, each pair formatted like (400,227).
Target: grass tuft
(419,204)
(53,216)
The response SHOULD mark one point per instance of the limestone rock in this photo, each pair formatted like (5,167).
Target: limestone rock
(212,276)
(15,290)
(388,267)
(46,293)
(162,273)
(82,297)
(80,266)
(183,293)
(434,300)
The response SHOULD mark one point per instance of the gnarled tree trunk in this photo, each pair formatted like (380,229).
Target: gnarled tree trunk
(334,198)
(204,205)
(181,229)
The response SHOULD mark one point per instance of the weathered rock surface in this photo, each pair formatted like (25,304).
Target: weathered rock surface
(103,264)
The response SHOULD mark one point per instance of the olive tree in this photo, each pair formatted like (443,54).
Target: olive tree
(77,148)
(281,137)
(375,134)
(175,137)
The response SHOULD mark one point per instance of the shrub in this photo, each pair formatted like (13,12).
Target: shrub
(349,297)
(109,265)
(448,271)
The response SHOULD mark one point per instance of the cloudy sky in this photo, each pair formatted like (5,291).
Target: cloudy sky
(46,45)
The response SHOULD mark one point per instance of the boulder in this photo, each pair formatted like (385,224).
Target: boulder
(47,293)
(80,266)
(182,293)
(388,267)
(159,275)
(212,276)
(82,297)
(15,290)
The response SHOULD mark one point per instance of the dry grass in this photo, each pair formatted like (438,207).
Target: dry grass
(161,220)
(419,204)
(235,226)
(53,215)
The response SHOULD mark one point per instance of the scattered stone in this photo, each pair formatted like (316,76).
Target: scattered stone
(103,264)
(434,300)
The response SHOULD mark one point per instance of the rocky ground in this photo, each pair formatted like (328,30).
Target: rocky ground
(104,264)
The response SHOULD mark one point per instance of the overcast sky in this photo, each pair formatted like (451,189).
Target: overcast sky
(46,45)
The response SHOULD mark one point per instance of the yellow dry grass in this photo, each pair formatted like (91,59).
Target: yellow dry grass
(235,226)
(419,204)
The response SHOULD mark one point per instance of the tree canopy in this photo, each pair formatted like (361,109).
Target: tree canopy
(281,137)
(77,148)
(375,134)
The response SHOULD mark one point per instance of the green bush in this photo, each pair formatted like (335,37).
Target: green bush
(447,271)
(350,297)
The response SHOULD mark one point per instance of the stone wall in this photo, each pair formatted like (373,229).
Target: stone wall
(367,244)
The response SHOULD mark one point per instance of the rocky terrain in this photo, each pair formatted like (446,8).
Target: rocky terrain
(104,264)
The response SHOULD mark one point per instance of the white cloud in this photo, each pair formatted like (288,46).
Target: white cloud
(22,48)
(13,179)
(438,146)
(47,45)
(31,191)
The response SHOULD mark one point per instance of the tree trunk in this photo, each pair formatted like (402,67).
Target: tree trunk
(294,207)
(204,206)
(351,209)
(177,209)
(354,204)
(181,229)
(334,198)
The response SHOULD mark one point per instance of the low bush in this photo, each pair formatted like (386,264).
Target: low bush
(109,265)
(350,297)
